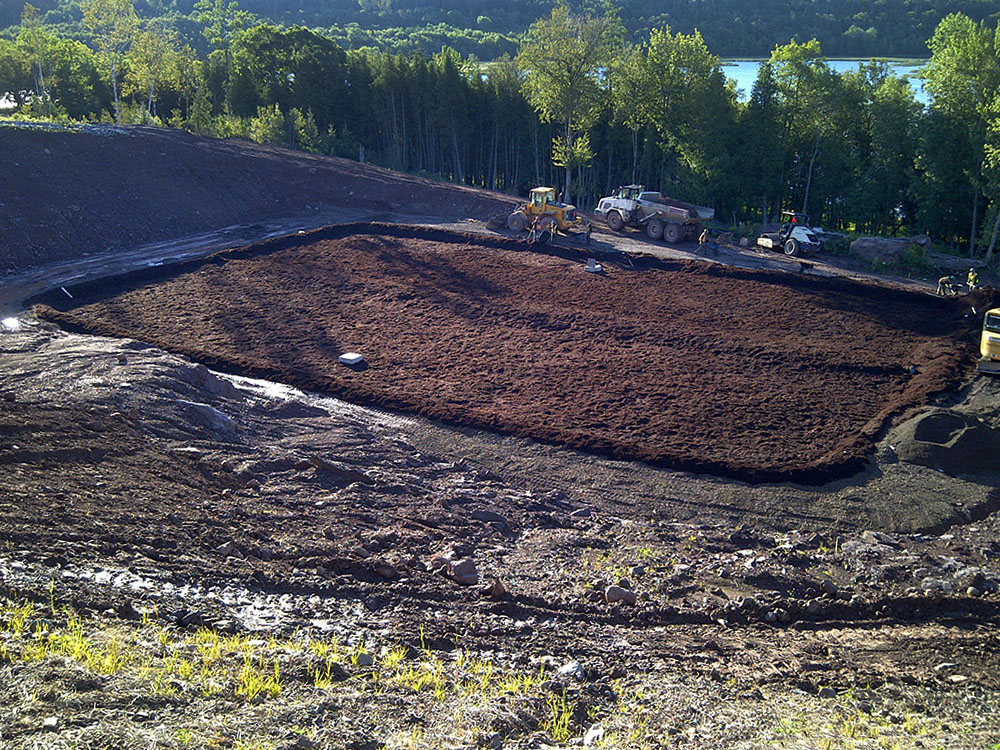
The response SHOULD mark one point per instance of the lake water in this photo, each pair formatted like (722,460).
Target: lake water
(744,72)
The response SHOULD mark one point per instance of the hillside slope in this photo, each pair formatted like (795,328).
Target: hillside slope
(68,193)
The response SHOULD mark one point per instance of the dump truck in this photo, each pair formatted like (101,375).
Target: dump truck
(662,218)
(543,207)
(989,343)
(795,237)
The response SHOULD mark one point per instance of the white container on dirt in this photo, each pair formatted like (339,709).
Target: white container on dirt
(351,358)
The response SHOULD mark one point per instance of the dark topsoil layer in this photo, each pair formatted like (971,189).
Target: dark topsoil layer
(65,193)
(755,375)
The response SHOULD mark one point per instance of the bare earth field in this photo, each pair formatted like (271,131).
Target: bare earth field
(749,374)
(477,542)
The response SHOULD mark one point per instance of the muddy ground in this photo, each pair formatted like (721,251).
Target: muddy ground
(192,559)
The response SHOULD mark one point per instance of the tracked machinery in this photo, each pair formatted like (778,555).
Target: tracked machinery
(661,217)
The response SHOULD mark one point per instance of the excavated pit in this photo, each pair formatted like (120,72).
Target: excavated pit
(755,375)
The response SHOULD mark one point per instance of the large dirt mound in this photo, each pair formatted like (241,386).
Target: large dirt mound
(948,440)
(757,375)
(73,192)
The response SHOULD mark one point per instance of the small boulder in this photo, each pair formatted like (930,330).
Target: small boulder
(465,572)
(573,670)
(614,594)
(209,416)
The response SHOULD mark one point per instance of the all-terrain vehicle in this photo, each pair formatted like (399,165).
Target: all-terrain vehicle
(662,218)
(543,207)
(795,236)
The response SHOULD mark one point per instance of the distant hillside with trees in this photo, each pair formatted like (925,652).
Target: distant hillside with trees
(578,105)
(490,28)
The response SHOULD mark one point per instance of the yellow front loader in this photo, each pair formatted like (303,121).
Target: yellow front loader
(543,207)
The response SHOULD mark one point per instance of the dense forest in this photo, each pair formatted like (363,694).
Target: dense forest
(731,28)
(578,106)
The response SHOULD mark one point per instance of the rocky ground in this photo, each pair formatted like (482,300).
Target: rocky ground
(190,559)
(172,537)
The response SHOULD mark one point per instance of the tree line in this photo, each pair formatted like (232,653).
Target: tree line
(577,106)
(487,28)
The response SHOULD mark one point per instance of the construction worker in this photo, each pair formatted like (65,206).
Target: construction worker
(535,229)
(586,233)
(948,285)
(973,279)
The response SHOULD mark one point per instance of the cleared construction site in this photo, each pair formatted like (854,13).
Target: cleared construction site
(754,375)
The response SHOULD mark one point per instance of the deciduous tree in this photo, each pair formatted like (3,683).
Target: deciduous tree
(112,25)
(564,59)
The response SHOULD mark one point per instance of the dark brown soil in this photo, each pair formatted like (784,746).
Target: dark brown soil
(68,193)
(755,375)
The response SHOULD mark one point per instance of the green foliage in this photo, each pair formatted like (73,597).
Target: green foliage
(854,149)
(914,260)
(562,60)
(268,125)
(112,25)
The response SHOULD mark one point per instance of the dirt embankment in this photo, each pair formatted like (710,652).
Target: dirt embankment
(749,374)
(69,193)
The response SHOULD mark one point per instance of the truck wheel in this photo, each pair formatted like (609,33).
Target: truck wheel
(654,229)
(615,221)
(516,222)
(792,247)
(547,224)
(672,232)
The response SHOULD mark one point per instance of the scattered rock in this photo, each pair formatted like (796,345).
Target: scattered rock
(203,378)
(228,549)
(51,723)
(594,735)
(489,517)
(827,692)
(364,659)
(348,475)
(387,572)
(494,589)
(931,585)
(209,416)
(465,572)
(573,670)
(614,594)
